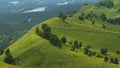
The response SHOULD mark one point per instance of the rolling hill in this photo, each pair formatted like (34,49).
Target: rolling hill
(34,51)
(4,65)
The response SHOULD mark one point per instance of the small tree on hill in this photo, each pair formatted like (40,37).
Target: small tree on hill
(1,51)
(8,59)
(103,26)
(106,59)
(46,28)
(81,18)
(93,22)
(62,16)
(103,51)
(63,40)
(80,44)
(55,40)
(86,50)
(73,48)
(46,31)
(116,61)
(103,17)
(117,52)
(76,44)
(111,60)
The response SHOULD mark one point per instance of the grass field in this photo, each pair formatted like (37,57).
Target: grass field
(33,51)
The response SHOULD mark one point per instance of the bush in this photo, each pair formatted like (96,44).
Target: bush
(103,17)
(103,26)
(46,28)
(106,59)
(93,22)
(103,51)
(117,52)
(114,61)
(86,50)
(63,40)
(76,44)
(8,59)
(80,45)
(73,48)
(1,51)
(81,18)
(55,40)
(62,16)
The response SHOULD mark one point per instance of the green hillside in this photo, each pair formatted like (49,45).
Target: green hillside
(3,65)
(34,51)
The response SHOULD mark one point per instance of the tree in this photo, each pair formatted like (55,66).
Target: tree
(46,28)
(55,40)
(1,51)
(89,53)
(80,44)
(63,40)
(111,60)
(81,18)
(106,59)
(103,17)
(73,48)
(76,44)
(93,22)
(117,52)
(116,61)
(103,51)
(103,26)
(86,49)
(62,16)
(8,59)
(46,31)
(37,31)
(93,53)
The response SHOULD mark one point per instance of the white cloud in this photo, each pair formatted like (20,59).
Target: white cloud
(14,2)
(65,3)
(40,9)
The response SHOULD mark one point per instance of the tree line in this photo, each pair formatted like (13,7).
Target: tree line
(53,38)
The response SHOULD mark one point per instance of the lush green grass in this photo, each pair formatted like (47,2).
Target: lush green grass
(4,65)
(34,51)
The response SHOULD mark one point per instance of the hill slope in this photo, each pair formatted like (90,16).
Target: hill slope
(4,65)
(35,51)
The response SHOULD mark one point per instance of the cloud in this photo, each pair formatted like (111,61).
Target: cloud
(40,9)
(65,3)
(14,2)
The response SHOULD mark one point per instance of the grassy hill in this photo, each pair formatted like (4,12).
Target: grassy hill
(35,51)
(4,65)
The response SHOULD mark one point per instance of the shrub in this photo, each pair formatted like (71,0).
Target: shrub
(8,59)
(62,16)
(103,51)
(63,40)
(103,26)
(106,59)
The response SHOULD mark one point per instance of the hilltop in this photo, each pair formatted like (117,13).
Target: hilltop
(33,50)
